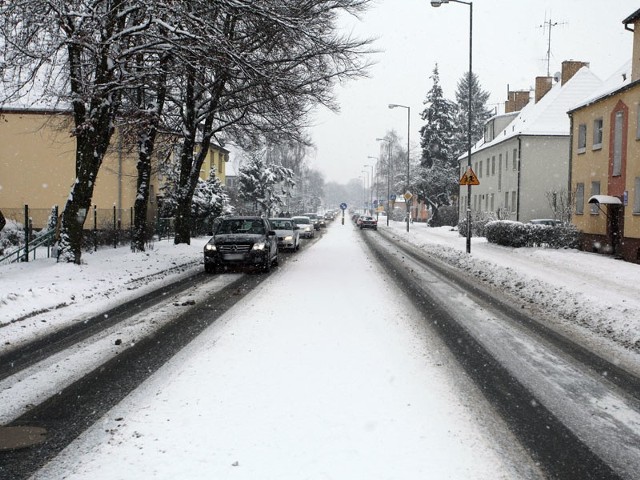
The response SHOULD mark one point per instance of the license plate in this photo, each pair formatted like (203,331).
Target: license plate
(234,256)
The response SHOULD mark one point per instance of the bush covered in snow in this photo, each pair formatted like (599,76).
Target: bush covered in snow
(12,235)
(516,234)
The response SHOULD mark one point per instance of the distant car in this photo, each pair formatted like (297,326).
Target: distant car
(366,221)
(546,221)
(307,229)
(241,241)
(288,233)
(315,219)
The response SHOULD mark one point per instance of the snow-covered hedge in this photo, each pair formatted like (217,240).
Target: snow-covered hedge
(12,235)
(516,234)
(477,226)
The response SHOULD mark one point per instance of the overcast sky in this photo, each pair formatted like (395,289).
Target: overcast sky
(509,50)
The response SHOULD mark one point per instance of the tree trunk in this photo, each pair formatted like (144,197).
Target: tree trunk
(90,150)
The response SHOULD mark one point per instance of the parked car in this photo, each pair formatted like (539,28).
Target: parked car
(366,221)
(241,241)
(307,229)
(288,233)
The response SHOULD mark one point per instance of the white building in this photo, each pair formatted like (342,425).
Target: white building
(523,159)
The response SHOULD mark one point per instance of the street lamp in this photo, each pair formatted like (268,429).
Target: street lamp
(437,3)
(370,188)
(376,183)
(364,191)
(388,174)
(406,200)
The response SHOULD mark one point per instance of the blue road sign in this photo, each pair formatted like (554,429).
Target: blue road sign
(343,206)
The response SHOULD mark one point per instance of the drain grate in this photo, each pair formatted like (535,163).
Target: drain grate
(15,438)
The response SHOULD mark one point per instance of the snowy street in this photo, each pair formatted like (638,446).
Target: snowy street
(323,372)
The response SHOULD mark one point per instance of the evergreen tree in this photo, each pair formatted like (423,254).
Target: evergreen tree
(479,113)
(436,135)
(265,186)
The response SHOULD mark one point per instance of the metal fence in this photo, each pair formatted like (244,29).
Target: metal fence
(102,227)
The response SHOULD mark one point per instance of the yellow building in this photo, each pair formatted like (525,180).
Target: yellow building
(605,161)
(37,168)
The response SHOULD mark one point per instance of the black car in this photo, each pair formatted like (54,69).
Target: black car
(241,241)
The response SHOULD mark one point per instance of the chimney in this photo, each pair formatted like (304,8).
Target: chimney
(516,101)
(543,85)
(570,68)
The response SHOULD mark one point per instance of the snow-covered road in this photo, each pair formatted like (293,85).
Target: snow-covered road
(324,372)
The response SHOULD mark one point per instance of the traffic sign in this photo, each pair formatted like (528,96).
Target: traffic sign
(408,196)
(469,178)
(343,206)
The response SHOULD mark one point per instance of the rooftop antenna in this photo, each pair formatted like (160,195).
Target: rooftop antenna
(548,25)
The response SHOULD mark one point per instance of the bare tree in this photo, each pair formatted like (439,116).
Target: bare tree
(74,53)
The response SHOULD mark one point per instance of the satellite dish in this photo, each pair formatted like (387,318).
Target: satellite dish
(556,76)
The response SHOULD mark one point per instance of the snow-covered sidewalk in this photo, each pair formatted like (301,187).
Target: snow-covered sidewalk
(324,372)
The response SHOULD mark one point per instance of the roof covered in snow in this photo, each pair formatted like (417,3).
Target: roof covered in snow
(619,80)
(548,117)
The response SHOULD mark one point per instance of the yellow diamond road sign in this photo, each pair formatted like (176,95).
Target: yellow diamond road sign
(407,196)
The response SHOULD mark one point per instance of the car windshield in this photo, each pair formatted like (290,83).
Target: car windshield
(301,220)
(241,226)
(281,224)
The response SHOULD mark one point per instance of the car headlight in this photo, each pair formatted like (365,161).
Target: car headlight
(259,246)
(307,229)
(288,238)
(210,247)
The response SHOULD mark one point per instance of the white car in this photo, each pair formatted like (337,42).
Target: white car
(288,233)
(305,225)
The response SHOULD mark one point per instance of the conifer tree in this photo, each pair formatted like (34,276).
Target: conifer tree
(436,135)
(479,113)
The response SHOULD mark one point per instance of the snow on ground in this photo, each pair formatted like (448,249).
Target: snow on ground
(284,385)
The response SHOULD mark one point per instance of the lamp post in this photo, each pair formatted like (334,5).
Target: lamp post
(437,3)
(388,142)
(406,200)
(370,188)
(375,183)
(364,191)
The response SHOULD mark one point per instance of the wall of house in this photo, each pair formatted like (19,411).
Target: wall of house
(500,178)
(37,168)
(593,163)
(544,165)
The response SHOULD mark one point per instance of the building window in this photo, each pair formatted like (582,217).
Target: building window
(493,165)
(492,204)
(636,196)
(500,172)
(597,134)
(487,167)
(515,159)
(506,201)
(480,169)
(595,190)
(514,207)
(617,144)
(580,198)
(582,138)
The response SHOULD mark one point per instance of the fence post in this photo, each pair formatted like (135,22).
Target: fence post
(95,228)
(115,231)
(26,234)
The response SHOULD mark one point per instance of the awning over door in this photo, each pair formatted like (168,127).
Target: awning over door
(605,200)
